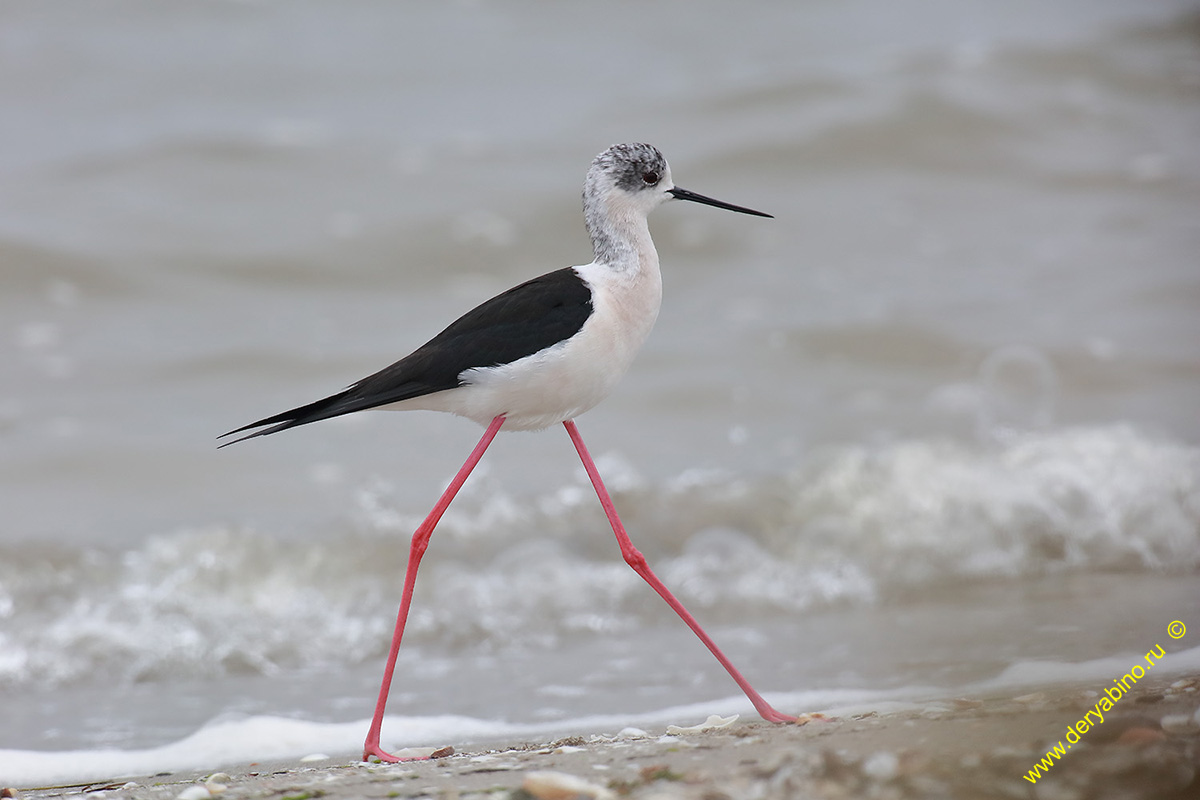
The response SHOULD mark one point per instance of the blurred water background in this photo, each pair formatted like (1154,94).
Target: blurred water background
(935,425)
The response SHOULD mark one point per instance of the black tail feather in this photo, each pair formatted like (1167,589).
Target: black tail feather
(331,406)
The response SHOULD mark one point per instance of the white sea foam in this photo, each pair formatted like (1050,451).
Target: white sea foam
(858,525)
(1100,670)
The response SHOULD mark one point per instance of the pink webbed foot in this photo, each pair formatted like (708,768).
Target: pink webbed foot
(410,754)
(378,752)
(771,715)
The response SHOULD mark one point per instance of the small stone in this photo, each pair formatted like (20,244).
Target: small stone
(1180,724)
(216,783)
(1140,737)
(314,757)
(816,716)
(546,785)
(194,793)
(881,766)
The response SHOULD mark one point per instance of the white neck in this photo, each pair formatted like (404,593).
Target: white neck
(620,234)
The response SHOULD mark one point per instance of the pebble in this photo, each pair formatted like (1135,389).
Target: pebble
(215,783)
(1140,736)
(1180,724)
(546,785)
(882,766)
(816,716)
(194,793)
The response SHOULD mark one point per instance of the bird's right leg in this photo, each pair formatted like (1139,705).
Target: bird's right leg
(420,541)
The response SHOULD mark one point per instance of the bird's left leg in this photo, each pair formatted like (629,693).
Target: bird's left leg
(635,559)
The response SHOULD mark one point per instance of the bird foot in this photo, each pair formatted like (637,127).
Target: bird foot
(771,715)
(407,754)
(378,752)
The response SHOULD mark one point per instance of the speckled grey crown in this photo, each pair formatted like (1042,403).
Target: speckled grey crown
(627,163)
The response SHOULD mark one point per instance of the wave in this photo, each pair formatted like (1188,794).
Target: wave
(852,525)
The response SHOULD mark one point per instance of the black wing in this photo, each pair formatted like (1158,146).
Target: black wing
(527,318)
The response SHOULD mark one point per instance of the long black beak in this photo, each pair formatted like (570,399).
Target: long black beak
(684,194)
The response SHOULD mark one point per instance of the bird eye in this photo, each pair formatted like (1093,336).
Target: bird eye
(650,177)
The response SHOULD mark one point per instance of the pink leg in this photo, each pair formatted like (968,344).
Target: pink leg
(420,541)
(635,559)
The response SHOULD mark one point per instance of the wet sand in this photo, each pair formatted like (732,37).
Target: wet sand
(972,747)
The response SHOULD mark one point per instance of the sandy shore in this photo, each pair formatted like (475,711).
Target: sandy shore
(1148,746)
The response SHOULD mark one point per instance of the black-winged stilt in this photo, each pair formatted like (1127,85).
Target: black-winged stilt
(541,353)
